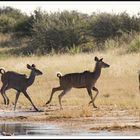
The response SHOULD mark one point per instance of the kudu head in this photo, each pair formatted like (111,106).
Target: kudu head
(34,69)
(100,62)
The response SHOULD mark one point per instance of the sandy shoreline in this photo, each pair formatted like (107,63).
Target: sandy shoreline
(109,120)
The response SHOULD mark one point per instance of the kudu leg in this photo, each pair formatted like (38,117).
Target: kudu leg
(4,98)
(92,99)
(61,95)
(3,93)
(28,97)
(6,95)
(16,99)
(95,89)
(52,93)
(7,99)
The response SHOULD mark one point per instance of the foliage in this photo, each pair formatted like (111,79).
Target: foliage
(59,31)
(12,20)
(69,31)
(134,45)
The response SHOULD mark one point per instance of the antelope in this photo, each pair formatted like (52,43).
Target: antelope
(85,79)
(19,82)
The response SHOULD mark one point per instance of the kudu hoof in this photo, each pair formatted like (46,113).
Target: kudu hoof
(47,102)
(40,111)
(95,106)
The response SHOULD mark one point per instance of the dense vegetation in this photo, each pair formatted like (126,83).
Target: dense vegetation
(72,32)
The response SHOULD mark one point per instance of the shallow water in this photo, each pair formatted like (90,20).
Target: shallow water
(44,129)
(52,129)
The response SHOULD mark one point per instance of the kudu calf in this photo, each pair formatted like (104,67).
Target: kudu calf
(19,82)
(85,79)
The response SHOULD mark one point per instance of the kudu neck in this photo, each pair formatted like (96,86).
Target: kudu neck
(31,78)
(97,71)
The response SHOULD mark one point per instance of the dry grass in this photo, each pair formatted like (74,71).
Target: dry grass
(118,85)
(83,111)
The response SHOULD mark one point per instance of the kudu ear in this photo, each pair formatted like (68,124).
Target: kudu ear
(28,66)
(33,65)
(101,59)
(96,58)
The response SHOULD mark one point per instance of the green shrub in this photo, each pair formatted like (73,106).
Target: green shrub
(68,31)
(134,46)
(58,31)
(6,24)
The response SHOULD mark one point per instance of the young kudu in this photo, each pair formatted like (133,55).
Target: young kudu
(19,82)
(85,79)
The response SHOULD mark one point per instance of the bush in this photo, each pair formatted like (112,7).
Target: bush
(12,20)
(72,32)
(104,25)
(6,24)
(24,27)
(134,45)
(58,31)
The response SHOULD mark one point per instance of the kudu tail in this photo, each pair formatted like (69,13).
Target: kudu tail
(59,75)
(2,71)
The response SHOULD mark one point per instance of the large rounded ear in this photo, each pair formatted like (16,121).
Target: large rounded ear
(28,66)
(96,58)
(33,65)
(101,59)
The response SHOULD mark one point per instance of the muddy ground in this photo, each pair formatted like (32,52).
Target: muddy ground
(103,119)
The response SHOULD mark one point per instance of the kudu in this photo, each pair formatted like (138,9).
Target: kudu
(85,79)
(19,82)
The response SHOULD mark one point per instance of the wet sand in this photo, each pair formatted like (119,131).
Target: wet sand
(105,121)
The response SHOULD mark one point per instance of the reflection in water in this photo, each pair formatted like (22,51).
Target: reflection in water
(44,129)
(10,128)
(16,129)
(27,129)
